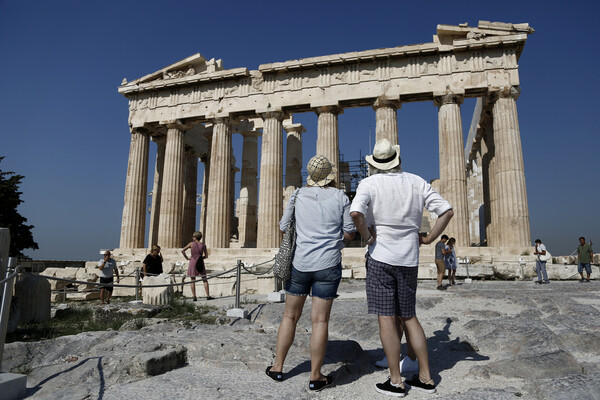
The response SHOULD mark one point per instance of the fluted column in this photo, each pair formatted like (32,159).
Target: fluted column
(189,195)
(205,184)
(248,190)
(156,189)
(218,217)
(134,209)
(233,225)
(453,179)
(171,207)
(270,200)
(513,211)
(386,120)
(293,156)
(328,137)
(488,171)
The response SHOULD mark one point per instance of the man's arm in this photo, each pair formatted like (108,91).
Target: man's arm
(361,226)
(440,224)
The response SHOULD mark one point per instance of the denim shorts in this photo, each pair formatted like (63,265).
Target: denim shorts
(586,266)
(322,284)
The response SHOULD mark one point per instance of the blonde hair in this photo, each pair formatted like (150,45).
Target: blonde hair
(154,248)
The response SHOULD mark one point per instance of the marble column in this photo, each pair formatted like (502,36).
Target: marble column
(156,189)
(386,120)
(205,184)
(233,224)
(475,197)
(453,179)
(189,195)
(270,200)
(489,187)
(171,207)
(513,211)
(328,137)
(134,210)
(293,156)
(248,190)
(218,216)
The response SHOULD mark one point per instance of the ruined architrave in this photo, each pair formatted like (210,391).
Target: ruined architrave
(185,104)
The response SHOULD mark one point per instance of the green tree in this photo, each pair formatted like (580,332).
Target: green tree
(10,198)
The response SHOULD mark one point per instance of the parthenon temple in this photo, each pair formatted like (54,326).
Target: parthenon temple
(191,109)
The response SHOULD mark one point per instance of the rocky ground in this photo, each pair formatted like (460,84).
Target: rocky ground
(487,340)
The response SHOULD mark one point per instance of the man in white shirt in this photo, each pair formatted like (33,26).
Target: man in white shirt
(107,266)
(540,264)
(387,211)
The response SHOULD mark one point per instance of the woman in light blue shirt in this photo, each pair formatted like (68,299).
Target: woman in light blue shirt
(322,223)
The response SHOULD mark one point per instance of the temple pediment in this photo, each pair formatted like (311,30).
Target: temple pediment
(188,67)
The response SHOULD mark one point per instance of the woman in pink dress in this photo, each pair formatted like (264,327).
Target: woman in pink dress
(196,266)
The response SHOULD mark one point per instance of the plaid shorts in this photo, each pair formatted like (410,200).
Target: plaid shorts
(391,290)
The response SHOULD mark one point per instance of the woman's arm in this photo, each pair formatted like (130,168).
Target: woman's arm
(189,245)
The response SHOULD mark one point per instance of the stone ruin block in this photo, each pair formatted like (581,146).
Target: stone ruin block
(359,273)
(54,284)
(158,362)
(157,295)
(32,294)
(125,291)
(428,271)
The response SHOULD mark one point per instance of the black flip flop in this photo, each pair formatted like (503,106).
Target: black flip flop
(317,386)
(276,376)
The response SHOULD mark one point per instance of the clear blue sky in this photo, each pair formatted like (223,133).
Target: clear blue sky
(64,126)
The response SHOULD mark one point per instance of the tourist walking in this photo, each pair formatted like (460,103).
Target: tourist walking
(152,264)
(107,267)
(196,266)
(323,222)
(387,211)
(585,256)
(439,261)
(450,260)
(540,262)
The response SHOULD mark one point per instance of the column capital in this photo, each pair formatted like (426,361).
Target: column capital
(448,98)
(508,92)
(386,102)
(139,129)
(294,128)
(224,120)
(278,115)
(329,109)
(175,124)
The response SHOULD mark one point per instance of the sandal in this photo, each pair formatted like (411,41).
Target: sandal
(317,386)
(276,376)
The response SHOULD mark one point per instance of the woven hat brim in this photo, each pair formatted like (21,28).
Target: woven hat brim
(322,182)
(388,165)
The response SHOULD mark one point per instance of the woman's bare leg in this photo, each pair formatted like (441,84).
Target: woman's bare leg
(287,329)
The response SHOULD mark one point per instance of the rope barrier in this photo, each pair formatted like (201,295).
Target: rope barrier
(98,284)
(11,276)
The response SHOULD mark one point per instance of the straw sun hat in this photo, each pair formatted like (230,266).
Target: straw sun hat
(385,156)
(320,171)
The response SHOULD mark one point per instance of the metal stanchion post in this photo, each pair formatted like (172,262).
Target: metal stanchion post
(237,283)
(237,311)
(137,287)
(137,283)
